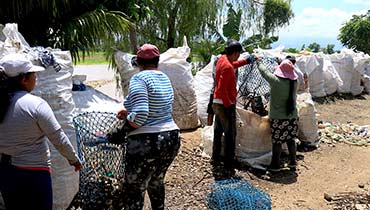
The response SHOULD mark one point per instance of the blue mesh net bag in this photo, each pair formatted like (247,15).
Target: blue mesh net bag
(237,194)
(102,174)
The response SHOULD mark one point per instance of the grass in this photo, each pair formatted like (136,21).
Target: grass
(93,58)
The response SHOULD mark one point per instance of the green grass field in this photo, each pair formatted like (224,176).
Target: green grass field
(93,58)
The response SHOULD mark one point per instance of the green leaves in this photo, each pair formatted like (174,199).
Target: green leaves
(231,28)
(276,14)
(91,30)
(69,25)
(356,33)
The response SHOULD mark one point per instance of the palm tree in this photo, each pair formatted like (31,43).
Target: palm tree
(78,26)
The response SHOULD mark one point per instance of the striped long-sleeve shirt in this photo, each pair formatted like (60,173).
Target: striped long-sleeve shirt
(149,102)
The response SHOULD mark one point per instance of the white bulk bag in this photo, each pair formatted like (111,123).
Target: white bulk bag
(173,63)
(307,124)
(125,69)
(360,61)
(343,63)
(313,66)
(56,89)
(253,141)
(204,83)
(331,77)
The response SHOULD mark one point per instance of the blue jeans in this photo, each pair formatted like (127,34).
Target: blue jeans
(25,189)
(225,123)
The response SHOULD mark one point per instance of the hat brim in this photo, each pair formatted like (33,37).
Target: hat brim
(36,69)
(284,74)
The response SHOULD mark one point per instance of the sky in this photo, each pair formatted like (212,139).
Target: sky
(319,21)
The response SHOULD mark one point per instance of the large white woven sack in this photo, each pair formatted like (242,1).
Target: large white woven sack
(313,66)
(331,77)
(56,89)
(343,63)
(173,63)
(203,82)
(253,140)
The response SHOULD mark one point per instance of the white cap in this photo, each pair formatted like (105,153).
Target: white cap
(15,64)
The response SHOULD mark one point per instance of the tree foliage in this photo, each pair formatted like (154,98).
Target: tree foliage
(252,22)
(329,49)
(355,33)
(77,26)
(315,47)
(171,20)
(276,14)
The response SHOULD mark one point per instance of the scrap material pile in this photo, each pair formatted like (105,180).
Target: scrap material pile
(348,133)
(349,201)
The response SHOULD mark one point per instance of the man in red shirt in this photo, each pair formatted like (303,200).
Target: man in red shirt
(224,107)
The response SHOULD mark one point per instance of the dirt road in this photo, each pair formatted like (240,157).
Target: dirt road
(331,169)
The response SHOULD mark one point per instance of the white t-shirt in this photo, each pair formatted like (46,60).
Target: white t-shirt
(24,130)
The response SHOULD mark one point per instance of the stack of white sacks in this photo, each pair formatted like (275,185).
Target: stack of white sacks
(345,72)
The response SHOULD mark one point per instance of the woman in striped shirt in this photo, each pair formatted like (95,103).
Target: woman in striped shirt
(154,142)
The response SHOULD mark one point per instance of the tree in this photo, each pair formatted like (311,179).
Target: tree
(171,20)
(276,14)
(291,50)
(253,22)
(77,26)
(303,47)
(315,47)
(329,49)
(355,33)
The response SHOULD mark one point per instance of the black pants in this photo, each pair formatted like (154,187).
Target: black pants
(147,160)
(25,189)
(225,123)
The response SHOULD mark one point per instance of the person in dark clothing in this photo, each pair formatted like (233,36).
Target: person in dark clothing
(224,108)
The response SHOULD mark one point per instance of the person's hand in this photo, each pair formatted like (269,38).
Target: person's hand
(77,165)
(257,58)
(122,114)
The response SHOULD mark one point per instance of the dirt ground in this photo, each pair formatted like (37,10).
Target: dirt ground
(330,169)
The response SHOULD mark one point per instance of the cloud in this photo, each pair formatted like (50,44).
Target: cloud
(358,2)
(317,22)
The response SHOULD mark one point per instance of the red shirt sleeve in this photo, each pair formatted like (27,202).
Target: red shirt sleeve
(239,63)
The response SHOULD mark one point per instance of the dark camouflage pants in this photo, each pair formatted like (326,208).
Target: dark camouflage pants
(147,160)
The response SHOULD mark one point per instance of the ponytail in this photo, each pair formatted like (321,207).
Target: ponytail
(4,95)
(290,103)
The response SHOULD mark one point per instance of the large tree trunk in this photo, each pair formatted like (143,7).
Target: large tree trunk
(133,39)
(171,27)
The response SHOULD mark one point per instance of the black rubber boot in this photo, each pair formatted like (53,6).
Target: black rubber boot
(275,162)
(292,148)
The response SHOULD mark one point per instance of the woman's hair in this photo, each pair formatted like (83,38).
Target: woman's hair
(290,103)
(145,62)
(8,85)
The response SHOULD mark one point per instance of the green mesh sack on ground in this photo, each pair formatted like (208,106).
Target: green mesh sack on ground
(237,194)
(102,174)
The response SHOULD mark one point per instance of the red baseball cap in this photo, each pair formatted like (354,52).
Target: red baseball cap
(148,51)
